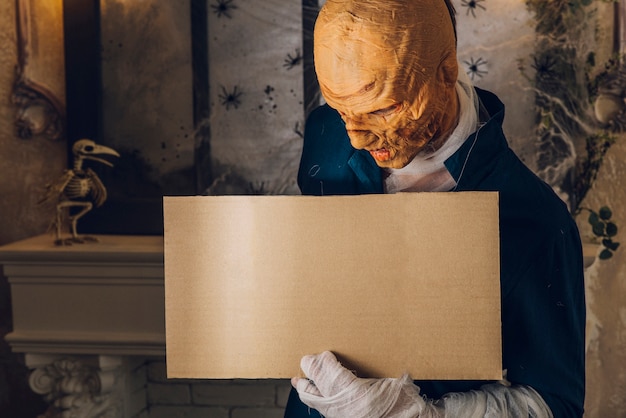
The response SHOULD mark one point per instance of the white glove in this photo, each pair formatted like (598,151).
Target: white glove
(336,392)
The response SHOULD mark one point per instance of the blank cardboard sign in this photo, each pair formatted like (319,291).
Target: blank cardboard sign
(390,283)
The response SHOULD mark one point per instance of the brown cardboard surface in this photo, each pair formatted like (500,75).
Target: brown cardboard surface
(390,283)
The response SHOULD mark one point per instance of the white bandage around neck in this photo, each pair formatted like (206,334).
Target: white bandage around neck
(426,172)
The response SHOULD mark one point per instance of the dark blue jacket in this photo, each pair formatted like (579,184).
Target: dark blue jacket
(543,306)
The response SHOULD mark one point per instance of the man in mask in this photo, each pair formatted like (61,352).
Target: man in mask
(400,116)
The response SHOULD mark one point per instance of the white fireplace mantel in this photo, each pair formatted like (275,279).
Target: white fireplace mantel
(96,298)
(82,305)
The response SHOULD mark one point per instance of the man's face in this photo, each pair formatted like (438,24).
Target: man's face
(392,82)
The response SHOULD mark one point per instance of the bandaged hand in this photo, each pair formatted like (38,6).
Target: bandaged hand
(336,392)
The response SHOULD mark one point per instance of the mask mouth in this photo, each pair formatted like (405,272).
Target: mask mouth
(381,147)
(381,154)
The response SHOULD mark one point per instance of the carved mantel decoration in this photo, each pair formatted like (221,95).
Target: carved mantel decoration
(39,89)
(78,387)
(86,317)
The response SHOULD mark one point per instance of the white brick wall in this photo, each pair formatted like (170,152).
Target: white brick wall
(182,398)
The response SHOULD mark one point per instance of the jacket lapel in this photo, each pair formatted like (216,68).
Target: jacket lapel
(367,172)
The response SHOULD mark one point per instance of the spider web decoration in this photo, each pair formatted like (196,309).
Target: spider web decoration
(493,36)
(256,83)
(570,75)
(475,64)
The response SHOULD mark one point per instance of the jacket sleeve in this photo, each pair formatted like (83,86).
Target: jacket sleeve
(543,295)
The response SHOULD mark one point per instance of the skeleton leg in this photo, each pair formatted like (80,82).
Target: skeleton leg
(86,207)
(60,208)
(74,219)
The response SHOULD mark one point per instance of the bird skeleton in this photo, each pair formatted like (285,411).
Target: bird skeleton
(79,188)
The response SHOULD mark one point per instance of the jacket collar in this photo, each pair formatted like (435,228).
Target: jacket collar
(367,172)
(474,159)
(468,165)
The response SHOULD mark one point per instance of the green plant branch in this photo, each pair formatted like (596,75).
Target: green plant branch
(604,229)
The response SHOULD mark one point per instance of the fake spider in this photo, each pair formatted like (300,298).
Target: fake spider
(472,5)
(223,8)
(474,67)
(291,62)
(230,98)
(544,66)
(298,131)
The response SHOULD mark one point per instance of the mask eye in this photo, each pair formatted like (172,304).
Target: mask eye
(387,111)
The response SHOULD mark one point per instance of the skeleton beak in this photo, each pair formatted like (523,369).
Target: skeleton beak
(101,150)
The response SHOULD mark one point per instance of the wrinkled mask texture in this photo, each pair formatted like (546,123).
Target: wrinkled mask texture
(389,68)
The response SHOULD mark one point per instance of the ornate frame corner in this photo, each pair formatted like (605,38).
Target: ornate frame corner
(39,87)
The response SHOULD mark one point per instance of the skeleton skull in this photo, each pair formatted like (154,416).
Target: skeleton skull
(389,67)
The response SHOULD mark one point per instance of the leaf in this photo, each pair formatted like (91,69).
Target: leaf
(605,213)
(610,244)
(611,229)
(593,218)
(605,254)
(598,229)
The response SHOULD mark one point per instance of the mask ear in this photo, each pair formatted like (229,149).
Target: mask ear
(448,70)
